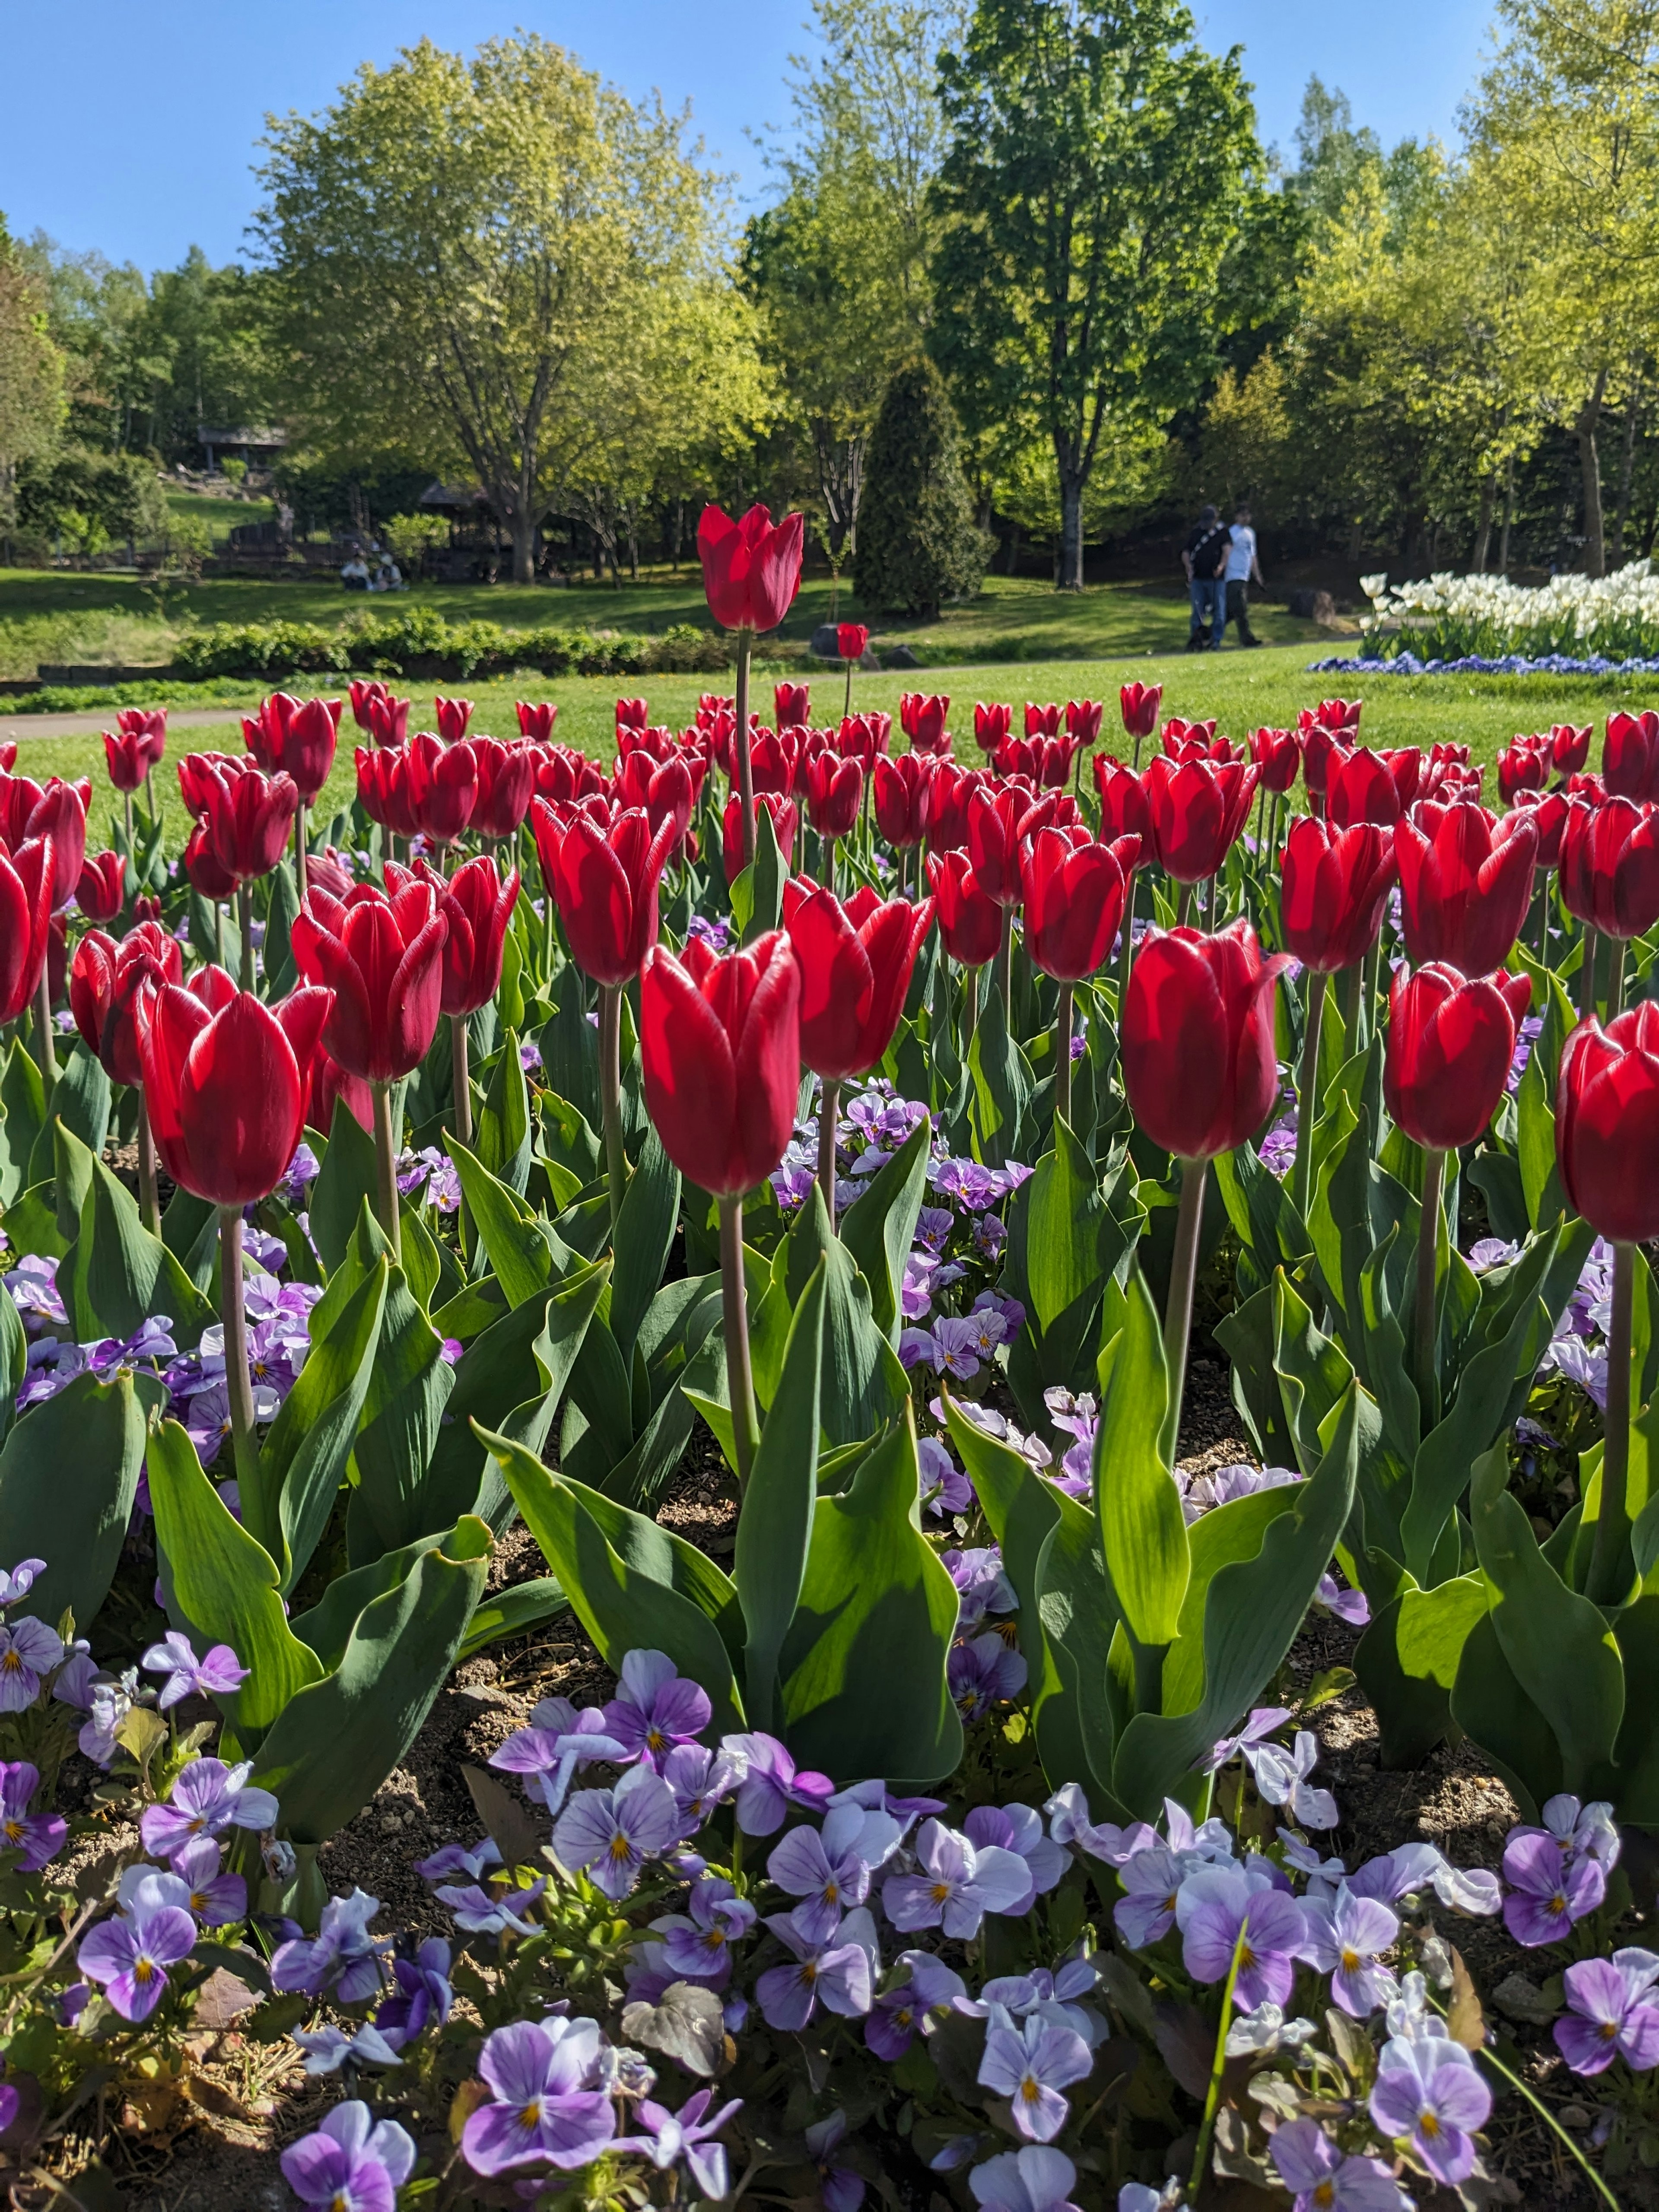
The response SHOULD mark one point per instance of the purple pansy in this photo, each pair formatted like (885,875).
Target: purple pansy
(129,1955)
(493,1911)
(701,1779)
(982,1672)
(1034,2179)
(955,1884)
(900,2015)
(39,1836)
(1611,2013)
(553,1755)
(220,1675)
(1029,2064)
(217,1900)
(1547,1892)
(697,1942)
(837,1974)
(539,2072)
(842,2188)
(1215,1906)
(421,1996)
(343,1956)
(1346,1938)
(655,1707)
(688,2135)
(456,1858)
(829,1869)
(772,1783)
(1018,1828)
(207,1798)
(15,1586)
(1281,1777)
(28,1650)
(1429,2094)
(1151,1880)
(982,1585)
(1322,2177)
(611,1833)
(353,2163)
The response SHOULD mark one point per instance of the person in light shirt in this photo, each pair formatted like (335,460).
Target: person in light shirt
(1242,571)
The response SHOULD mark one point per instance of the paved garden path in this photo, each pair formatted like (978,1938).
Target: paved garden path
(89,722)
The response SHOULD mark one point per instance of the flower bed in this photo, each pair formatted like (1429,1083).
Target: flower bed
(620,1586)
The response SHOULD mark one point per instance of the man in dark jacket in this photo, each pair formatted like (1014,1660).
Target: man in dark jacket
(1203,557)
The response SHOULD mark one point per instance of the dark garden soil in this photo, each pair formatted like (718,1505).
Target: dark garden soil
(217,2151)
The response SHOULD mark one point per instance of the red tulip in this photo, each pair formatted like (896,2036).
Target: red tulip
(852,641)
(127,757)
(147,723)
(632,715)
(969,922)
(1524,765)
(19,797)
(997,822)
(1197,809)
(1450,1041)
(507,779)
(1548,811)
(1319,750)
(1178,738)
(991,725)
(1360,786)
(1340,717)
(862,737)
(855,964)
(720,1056)
(922,718)
(1139,704)
(1569,747)
(226,1090)
(388,719)
(948,798)
(247,821)
(26,881)
(903,793)
(1464,883)
(8,754)
(605,883)
(835,792)
(1075,890)
(785,819)
(774,757)
(1334,885)
(383,959)
(563,774)
(443,784)
(1123,809)
(330,1081)
(60,814)
(104,982)
(791,705)
(536,722)
(331,871)
(1083,720)
(1278,755)
(1606,1123)
(1199,1061)
(750,570)
(1045,761)
(262,732)
(1042,721)
(99,892)
(1630,757)
(203,867)
(197,773)
(306,749)
(383,790)
(453,715)
(361,693)
(1610,866)
(478,904)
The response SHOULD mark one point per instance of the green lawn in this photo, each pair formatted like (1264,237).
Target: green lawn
(219,515)
(1240,689)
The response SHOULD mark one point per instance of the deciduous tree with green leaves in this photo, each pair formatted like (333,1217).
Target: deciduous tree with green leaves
(1097,162)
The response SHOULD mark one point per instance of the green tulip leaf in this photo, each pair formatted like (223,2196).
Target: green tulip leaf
(303,1461)
(116,1276)
(775,1529)
(645,1236)
(1143,1532)
(69,1473)
(880,1228)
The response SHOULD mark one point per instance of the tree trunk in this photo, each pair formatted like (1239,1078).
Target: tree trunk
(1070,530)
(1626,471)
(1508,517)
(521,528)
(1483,528)
(1013,548)
(1595,550)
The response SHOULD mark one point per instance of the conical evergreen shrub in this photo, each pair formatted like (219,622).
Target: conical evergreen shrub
(918,544)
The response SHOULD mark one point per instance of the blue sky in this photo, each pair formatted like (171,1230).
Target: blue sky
(130,127)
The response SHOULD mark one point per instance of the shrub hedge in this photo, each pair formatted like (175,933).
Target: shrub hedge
(419,642)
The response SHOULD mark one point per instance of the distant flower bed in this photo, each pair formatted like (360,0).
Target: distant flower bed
(1482,663)
(1573,625)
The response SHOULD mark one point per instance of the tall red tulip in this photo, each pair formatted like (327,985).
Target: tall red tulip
(852,641)
(1360,786)
(453,715)
(1196,809)
(361,692)
(969,921)
(262,732)
(99,892)
(1630,755)
(304,750)
(991,723)
(507,781)
(922,716)
(1139,705)
(1610,866)
(1278,755)
(835,792)
(1465,880)
(902,795)
(104,982)
(477,905)
(1570,746)
(388,719)
(204,870)
(1042,720)
(443,784)
(1320,748)
(382,957)
(60,816)
(1549,811)
(1075,890)
(383,790)
(1334,888)
(1339,716)
(1045,761)
(785,817)
(247,821)
(605,883)
(751,573)
(1524,765)
(147,723)
(1450,1040)
(126,755)
(1123,809)
(1083,720)
(791,705)
(536,719)
(855,964)
(26,881)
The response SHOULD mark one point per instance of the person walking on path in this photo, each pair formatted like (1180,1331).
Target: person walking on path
(1203,557)
(1242,569)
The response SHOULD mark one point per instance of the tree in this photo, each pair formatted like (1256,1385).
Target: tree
(462,252)
(919,545)
(839,267)
(31,371)
(1090,191)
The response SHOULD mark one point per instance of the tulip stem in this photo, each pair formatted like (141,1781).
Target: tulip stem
(245,924)
(1183,905)
(1615,977)
(740,747)
(126,807)
(1063,1061)
(1586,976)
(300,876)
(150,794)
(846,704)
(42,1035)
(970,1008)
(615,1159)
(1610,1563)
(1005,967)
(1178,1314)
(1260,813)
(1307,1088)
(239,1384)
(1126,948)
(1544,918)
(829,1122)
(218,933)
(462,1078)
(740,1386)
(149,1203)
(1428,1268)
(386,1161)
